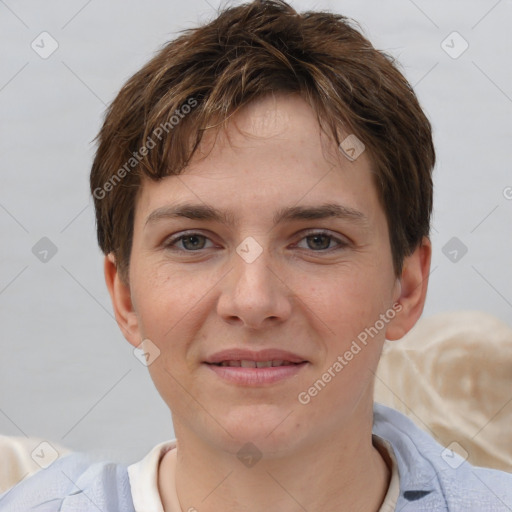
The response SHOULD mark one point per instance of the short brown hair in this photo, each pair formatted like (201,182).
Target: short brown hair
(156,122)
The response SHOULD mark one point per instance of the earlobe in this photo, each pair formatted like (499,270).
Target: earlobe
(122,303)
(412,290)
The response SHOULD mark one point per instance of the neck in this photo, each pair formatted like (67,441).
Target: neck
(338,472)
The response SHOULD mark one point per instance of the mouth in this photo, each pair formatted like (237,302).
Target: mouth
(246,363)
(246,368)
(248,358)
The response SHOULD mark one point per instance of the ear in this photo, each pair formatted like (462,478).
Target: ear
(120,295)
(414,283)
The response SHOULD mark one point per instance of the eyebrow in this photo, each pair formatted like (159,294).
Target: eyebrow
(290,213)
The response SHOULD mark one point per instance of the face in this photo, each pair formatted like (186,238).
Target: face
(313,290)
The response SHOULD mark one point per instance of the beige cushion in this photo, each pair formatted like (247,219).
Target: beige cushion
(21,457)
(452,375)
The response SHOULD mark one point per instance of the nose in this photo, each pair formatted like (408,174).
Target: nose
(254,294)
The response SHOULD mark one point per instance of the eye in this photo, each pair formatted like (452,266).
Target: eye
(321,240)
(191,242)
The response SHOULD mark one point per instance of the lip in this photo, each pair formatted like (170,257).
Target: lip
(255,376)
(250,355)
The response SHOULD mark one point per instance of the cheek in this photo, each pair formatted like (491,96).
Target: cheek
(172,308)
(345,302)
(346,311)
(163,298)
(168,312)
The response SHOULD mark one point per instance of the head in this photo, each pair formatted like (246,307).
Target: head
(252,114)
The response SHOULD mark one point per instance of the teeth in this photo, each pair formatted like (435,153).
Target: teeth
(253,364)
(263,364)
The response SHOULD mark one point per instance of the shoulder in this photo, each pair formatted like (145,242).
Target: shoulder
(433,475)
(75,483)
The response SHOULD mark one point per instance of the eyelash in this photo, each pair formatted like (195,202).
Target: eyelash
(171,242)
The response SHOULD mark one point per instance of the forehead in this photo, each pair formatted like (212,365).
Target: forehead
(274,120)
(272,152)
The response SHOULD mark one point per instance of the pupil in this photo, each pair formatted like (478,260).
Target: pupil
(325,237)
(192,237)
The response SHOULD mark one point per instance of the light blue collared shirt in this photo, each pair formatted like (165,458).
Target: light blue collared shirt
(431,478)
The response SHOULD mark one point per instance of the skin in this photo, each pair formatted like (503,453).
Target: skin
(307,295)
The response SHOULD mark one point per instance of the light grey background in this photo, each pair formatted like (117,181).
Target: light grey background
(66,372)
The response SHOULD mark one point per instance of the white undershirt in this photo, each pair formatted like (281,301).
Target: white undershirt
(143,477)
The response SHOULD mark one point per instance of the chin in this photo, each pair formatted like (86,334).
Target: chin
(271,428)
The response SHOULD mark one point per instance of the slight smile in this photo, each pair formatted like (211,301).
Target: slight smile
(247,368)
